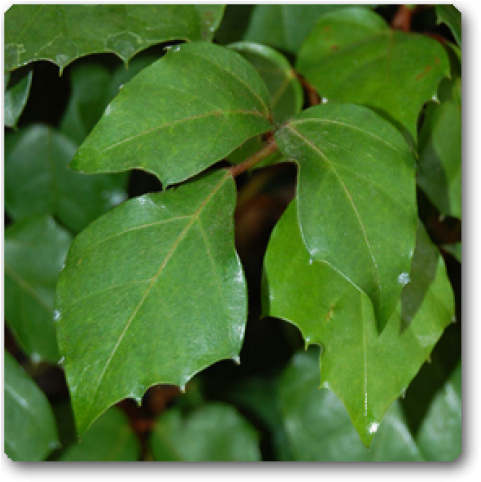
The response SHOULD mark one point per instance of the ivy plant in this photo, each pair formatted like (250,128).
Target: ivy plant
(208,194)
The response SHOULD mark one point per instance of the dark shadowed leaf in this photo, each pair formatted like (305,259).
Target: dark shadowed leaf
(15,98)
(29,431)
(34,253)
(451,16)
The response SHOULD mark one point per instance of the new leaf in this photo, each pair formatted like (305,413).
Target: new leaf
(152,292)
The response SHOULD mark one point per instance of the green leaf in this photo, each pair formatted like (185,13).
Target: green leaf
(29,431)
(318,426)
(213,433)
(278,75)
(210,17)
(34,252)
(440,175)
(365,370)
(15,98)
(284,89)
(454,249)
(63,33)
(111,439)
(440,436)
(353,56)
(285,26)
(451,16)
(356,197)
(159,290)
(180,115)
(37,180)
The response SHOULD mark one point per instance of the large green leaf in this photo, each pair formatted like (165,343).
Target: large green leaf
(213,433)
(111,439)
(365,370)
(63,33)
(152,292)
(34,253)
(29,431)
(37,180)
(180,115)
(210,17)
(356,197)
(353,56)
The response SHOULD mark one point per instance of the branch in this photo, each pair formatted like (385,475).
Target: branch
(266,151)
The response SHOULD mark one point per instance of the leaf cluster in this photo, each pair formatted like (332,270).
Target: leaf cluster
(226,171)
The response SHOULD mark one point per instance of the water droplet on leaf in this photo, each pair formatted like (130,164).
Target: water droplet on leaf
(404,279)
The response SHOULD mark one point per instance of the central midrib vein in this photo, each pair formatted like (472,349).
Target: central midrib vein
(181,236)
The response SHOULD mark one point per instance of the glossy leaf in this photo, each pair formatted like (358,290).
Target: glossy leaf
(440,434)
(129,317)
(353,56)
(356,197)
(365,370)
(34,252)
(451,16)
(285,26)
(15,98)
(29,431)
(180,115)
(63,33)
(318,426)
(213,433)
(440,143)
(111,439)
(37,180)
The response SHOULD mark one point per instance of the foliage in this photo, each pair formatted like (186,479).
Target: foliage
(237,167)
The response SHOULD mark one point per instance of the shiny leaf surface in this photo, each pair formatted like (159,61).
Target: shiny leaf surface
(213,433)
(29,431)
(37,180)
(365,370)
(129,317)
(353,56)
(180,115)
(34,252)
(63,33)
(356,197)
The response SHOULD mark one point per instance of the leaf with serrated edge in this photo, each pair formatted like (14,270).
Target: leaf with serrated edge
(365,370)
(152,292)
(180,115)
(356,197)
(63,33)
(353,56)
